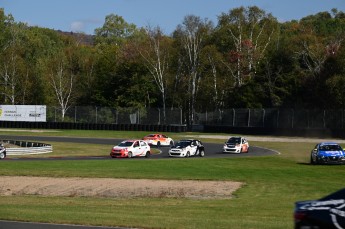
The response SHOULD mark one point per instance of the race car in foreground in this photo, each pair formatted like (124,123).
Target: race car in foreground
(131,148)
(187,148)
(325,213)
(327,153)
(236,145)
(158,140)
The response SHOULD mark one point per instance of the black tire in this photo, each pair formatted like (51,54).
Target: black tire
(2,155)
(188,154)
(158,144)
(129,155)
(314,162)
(148,154)
(201,153)
(171,143)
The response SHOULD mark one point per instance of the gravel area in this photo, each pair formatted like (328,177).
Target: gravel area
(116,188)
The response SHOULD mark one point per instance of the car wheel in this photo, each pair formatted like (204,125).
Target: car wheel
(188,154)
(147,154)
(158,144)
(312,160)
(171,143)
(201,153)
(2,155)
(129,155)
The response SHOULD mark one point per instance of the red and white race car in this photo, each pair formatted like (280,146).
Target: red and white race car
(131,148)
(158,140)
(236,145)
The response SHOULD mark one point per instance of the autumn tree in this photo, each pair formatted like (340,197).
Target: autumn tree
(191,36)
(250,31)
(155,52)
(13,68)
(115,30)
(61,78)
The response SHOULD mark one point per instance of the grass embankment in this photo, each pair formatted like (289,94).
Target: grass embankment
(272,185)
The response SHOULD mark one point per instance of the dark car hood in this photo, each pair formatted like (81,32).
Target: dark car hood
(178,147)
(330,209)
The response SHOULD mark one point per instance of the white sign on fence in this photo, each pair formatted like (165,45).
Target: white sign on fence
(27,113)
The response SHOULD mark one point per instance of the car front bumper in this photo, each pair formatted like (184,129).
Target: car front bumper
(177,153)
(231,150)
(331,159)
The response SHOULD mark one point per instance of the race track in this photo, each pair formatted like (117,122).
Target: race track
(212,150)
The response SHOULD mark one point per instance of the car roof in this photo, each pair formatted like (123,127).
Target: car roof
(328,143)
(131,140)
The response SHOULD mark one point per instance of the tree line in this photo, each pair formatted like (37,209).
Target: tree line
(247,59)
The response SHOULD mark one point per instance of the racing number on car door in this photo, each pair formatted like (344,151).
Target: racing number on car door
(136,148)
(194,147)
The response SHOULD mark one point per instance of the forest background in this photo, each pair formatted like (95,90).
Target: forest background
(247,59)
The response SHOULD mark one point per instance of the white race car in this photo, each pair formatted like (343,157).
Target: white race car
(236,145)
(131,148)
(187,148)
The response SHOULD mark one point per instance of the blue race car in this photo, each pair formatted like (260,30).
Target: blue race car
(327,153)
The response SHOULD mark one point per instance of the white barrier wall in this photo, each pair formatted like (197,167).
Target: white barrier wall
(27,113)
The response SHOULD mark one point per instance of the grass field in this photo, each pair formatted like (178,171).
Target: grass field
(272,185)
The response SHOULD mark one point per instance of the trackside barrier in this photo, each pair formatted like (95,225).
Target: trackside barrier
(27,148)
(93,126)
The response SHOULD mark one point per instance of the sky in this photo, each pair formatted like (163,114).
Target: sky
(87,15)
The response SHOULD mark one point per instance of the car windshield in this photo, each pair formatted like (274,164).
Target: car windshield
(150,136)
(125,144)
(330,147)
(234,140)
(183,143)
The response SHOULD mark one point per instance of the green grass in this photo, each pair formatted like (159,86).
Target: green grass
(272,185)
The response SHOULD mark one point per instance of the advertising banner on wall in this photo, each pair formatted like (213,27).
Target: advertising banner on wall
(26,113)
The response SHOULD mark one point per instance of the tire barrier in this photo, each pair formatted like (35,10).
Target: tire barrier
(27,148)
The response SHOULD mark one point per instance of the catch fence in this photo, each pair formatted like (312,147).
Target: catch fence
(266,118)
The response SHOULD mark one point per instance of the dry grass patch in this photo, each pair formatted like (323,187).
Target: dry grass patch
(117,188)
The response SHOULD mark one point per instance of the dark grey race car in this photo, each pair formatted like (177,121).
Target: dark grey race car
(325,213)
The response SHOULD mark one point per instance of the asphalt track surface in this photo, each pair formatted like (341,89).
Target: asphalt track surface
(212,150)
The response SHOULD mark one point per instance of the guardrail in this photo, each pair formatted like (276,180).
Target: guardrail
(27,148)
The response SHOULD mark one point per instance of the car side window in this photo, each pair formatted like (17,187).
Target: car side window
(142,143)
(136,144)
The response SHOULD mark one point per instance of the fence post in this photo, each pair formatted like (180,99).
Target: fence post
(248,117)
(293,113)
(96,114)
(263,117)
(278,118)
(138,118)
(159,116)
(206,117)
(75,114)
(324,118)
(233,117)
